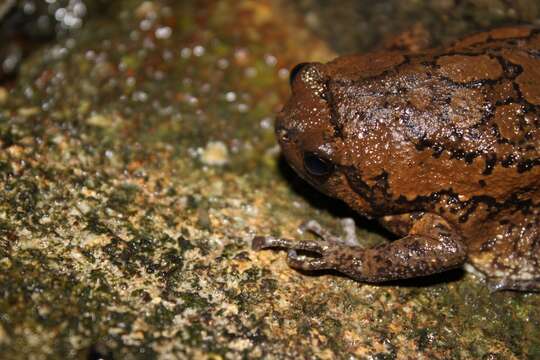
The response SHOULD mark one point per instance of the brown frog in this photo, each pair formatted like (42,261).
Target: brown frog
(441,147)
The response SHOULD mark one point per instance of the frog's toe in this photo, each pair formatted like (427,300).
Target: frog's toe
(315,228)
(499,284)
(304,262)
(312,255)
(265,242)
(349,228)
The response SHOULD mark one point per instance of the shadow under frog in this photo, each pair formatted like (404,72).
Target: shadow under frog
(440,147)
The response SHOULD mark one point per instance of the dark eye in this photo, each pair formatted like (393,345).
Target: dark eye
(317,166)
(295,71)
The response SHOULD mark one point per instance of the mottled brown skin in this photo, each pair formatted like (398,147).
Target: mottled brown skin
(441,147)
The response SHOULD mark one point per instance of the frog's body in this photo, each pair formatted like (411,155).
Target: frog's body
(443,148)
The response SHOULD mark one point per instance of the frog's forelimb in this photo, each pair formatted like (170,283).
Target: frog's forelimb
(431,246)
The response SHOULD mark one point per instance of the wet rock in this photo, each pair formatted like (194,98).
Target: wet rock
(118,240)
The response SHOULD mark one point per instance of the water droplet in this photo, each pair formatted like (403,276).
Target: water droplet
(251,72)
(163,32)
(198,50)
(131,81)
(145,24)
(230,96)
(242,108)
(241,56)
(140,96)
(223,64)
(270,60)
(79,9)
(192,100)
(29,8)
(283,73)
(266,123)
(206,87)
(59,14)
(185,53)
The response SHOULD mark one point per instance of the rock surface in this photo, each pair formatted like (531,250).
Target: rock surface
(137,162)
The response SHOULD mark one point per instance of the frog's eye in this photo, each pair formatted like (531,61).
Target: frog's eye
(295,71)
(317,166)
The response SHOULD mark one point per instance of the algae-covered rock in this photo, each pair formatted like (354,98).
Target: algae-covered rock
(137,162)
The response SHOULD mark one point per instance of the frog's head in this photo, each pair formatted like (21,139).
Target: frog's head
(307,135)
(329,142)
(303,127)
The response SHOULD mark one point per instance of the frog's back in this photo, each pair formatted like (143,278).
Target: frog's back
(493,96)
(488,113)
(462,121)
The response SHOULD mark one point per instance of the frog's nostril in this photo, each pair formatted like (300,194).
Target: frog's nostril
(282,134)
(295,71)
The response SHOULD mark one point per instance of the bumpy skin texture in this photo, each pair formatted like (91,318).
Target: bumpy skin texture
(442,147)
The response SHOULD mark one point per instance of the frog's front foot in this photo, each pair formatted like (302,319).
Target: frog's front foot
(303,254)
(311,254)
(431,246)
